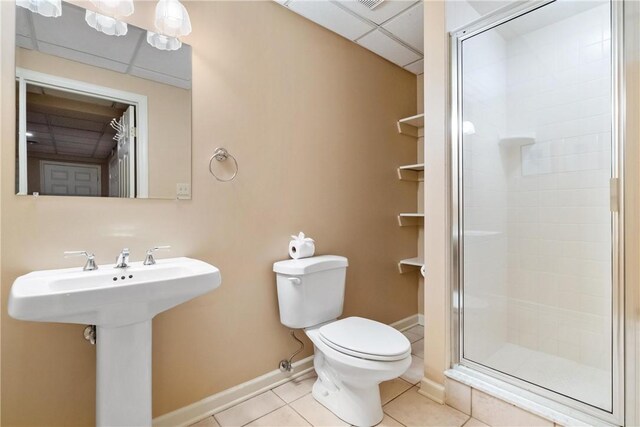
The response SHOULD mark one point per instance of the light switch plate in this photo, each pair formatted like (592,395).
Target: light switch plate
(183,191)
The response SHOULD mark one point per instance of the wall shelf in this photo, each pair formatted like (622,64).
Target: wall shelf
(411,172)
(409,125)
(410,264)
(410,219)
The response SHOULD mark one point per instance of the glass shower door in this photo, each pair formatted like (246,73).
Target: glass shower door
(535,221)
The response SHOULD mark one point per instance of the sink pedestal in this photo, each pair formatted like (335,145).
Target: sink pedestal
(123,380)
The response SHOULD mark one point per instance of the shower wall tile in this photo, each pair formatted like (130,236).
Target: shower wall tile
(558,268)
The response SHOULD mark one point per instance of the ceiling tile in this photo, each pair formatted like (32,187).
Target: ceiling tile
(385,11)
(332,17)
(175,63)
(385,46)
(416,67)
(408,26)
(71,32)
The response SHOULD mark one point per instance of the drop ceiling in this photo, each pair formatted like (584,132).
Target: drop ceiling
(393,29)
(65,124)
(69,37)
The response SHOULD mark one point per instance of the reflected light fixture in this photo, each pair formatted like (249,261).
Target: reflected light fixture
(105,24)
(28,134)
(48,8)
(162,42)
(115,8)
(172,18)
(468,128)
(106,19)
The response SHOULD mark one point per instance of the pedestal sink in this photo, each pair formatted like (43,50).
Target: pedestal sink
(121,303)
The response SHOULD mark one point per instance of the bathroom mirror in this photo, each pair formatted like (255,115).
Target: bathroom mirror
(99,115)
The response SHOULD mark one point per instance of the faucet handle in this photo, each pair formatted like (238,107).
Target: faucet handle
(149,259)
(91,259)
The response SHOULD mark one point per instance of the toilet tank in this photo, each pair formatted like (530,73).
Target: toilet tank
(310,290)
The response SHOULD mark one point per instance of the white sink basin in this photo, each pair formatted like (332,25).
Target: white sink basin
(110,296)
(121,303)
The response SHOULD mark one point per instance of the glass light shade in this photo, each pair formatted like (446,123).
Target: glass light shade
(172,18)
(48,8)
(114,7)
(105,24)
(162,42)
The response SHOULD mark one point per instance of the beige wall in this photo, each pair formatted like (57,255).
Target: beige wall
(311,118)
(169,111)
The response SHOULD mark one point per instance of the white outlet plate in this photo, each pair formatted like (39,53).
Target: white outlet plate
(183,191)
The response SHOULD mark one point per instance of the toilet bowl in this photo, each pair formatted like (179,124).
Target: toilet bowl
(348,384)
(352,356)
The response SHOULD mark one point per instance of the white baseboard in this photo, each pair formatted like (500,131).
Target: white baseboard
(407,322)
(432,390)
(215,403)
(421,319)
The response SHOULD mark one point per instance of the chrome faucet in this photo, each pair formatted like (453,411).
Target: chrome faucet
(149,259)
(90,265)
(123,259)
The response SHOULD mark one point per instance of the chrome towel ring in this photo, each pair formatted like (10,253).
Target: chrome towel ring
(221,155)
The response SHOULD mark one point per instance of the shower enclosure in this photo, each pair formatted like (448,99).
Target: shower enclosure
(535,167)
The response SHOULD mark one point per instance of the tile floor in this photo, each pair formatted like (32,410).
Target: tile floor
(292,404)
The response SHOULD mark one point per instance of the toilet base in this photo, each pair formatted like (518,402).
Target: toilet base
(357,406)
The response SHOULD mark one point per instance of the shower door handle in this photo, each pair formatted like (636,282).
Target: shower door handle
(614,194)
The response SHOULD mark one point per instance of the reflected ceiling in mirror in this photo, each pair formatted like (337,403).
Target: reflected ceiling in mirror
(99,115)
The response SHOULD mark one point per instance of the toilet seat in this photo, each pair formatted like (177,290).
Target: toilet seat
(365,339)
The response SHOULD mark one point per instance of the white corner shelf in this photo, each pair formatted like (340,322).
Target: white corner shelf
(409,125)
(410,219)
(411,172)
(410,264)
(516,140)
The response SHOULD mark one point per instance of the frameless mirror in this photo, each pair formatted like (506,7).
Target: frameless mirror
(99,115)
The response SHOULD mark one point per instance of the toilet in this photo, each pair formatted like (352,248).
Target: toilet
(352,355)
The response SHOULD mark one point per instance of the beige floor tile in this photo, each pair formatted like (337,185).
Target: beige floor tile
(389,390)
(387,421)
(315,413)
(415,372)
(207,422)
(411,337)
(416,330)
(496,412)
(417,348)
(296,388)
(249,410)
(458,395)
(283,417)
(475,423)
(413,409)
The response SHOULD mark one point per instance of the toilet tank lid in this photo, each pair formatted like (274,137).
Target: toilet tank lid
(310,265)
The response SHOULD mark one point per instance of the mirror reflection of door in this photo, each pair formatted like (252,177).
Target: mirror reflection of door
(122,162)
(70,138)
(69,179)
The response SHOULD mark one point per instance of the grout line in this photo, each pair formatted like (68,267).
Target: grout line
(302,416)
(409,389)
(270,412)
(394,419)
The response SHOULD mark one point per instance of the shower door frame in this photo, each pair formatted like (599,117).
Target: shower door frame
(549,398)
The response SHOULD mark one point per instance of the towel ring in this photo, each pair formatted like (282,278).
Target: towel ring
(222,155)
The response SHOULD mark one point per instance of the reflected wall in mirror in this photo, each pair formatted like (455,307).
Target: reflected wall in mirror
(99,115)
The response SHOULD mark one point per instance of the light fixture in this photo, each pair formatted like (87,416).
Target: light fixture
(468,128)
(105,24)
(48,8)
(115,8)
(172,19)
(162,42)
